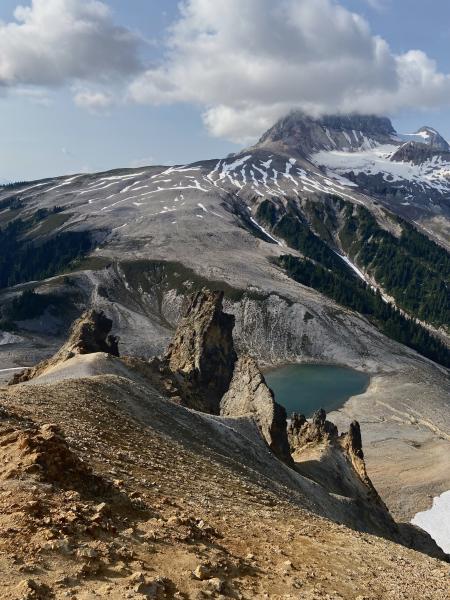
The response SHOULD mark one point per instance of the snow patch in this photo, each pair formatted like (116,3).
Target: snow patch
(353,267)
(436,521)
(433,173)
(265,231)
(227,167)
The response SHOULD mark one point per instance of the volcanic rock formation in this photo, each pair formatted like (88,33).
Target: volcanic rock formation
(339,459)
(307,135)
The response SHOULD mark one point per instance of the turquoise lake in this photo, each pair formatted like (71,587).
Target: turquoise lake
(306,388)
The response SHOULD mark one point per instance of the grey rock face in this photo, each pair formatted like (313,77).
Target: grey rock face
(333,132)
(354,439)
(417,153)
(434,139)
(250,395)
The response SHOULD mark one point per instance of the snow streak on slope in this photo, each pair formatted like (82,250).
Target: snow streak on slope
(261,228)
(353,267)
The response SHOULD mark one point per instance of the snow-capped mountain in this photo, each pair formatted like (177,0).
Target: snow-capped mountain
(409,173)
(428,136)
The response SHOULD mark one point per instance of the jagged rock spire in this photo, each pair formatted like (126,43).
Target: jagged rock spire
(202,353)
(249,395)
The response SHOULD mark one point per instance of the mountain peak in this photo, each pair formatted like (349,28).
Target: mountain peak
(305,135)
(432,138)
(429,137)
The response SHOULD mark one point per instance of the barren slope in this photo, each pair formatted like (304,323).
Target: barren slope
(188,506)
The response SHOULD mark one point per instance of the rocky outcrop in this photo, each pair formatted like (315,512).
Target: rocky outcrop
(418,153)
(249,395)
(302,432)
(201,354)
(339,458)
(43,453)
(300,132)
(433,138)
(89,334)
(351,443)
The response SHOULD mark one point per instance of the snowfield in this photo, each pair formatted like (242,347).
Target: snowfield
(434,173)
(9,338)
(436,521)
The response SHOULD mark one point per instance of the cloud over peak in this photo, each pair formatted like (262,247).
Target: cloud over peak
(247,62)
(244,63)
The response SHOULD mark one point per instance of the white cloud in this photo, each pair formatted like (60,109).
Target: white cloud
(35,95)
(53,42)
(247,62)
(94,101)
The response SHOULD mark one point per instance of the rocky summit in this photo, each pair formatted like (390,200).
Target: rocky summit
(306,135)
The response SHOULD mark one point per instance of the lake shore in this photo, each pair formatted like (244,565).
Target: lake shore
(406,439)
(404,419)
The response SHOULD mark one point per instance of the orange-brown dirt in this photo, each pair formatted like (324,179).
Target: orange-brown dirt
(101,505)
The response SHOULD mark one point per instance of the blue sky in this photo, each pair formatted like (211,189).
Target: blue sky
(53,126)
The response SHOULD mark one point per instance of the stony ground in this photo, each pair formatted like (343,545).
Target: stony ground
(117,509)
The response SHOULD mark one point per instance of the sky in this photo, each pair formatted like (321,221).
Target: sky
(90,85)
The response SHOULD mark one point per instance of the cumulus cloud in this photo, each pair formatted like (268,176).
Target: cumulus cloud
(247,62)
(53,42)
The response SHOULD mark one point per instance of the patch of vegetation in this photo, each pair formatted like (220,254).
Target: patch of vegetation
(51,222)
(322,218)
(267,212)
(11,203)
(174,275)
(356,295)
(90,263)
(298,235)
(413,269)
